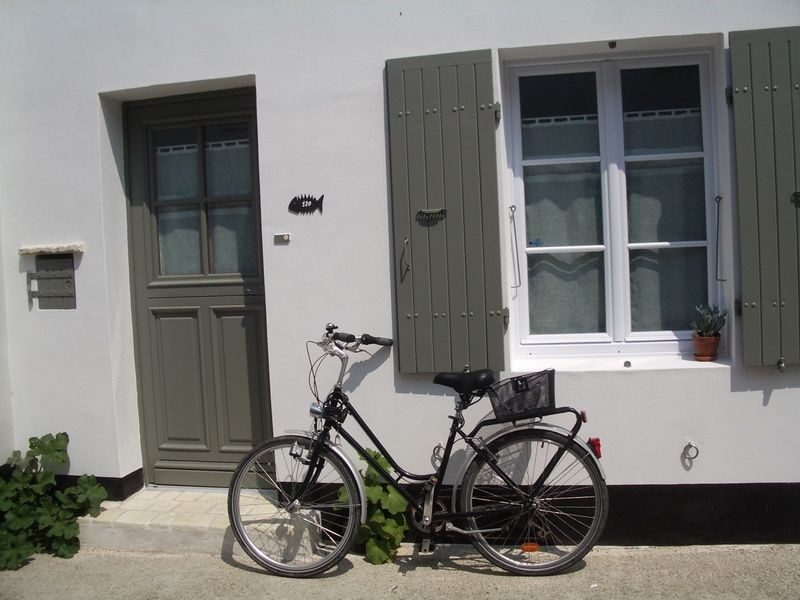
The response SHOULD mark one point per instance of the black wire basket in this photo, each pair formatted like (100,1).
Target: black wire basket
(523,396)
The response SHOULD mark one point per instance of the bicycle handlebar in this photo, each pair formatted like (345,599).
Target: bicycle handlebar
(378,341)
(349,338)
(344,337)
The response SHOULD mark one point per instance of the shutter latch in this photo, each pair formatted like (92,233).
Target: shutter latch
(498,112)
(431,216)
(506,316)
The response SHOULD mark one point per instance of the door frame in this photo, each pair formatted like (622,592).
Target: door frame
(173,109)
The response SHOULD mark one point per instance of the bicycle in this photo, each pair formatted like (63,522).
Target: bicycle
(531,498)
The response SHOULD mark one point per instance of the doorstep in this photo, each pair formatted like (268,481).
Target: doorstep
(162,519)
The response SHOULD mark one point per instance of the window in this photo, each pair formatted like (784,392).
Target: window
(613,185)
(203,199)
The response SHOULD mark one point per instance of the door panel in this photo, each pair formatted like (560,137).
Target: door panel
(238,353)
(198,284)
(177,365)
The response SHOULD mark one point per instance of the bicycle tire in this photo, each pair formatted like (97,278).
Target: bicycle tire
(289,536)
(550,532)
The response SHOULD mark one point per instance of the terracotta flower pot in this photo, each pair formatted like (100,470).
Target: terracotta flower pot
(705,347)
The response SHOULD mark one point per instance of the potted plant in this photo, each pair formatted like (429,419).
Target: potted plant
(707,330)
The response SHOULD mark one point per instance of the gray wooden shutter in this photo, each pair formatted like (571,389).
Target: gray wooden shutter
(442,121)
(766,102)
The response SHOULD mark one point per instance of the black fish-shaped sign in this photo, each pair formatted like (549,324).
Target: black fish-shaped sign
(305,205)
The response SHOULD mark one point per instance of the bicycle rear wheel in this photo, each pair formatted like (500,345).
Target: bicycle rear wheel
(285,531)
(537,534)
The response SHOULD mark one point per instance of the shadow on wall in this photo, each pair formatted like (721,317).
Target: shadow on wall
(112,117)
(404,383)
(358,371)
(767,380)
(419,383)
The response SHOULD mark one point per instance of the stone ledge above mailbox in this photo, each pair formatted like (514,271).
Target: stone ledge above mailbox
(54,274)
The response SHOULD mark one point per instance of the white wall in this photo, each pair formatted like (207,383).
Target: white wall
(318,70)
(6,409)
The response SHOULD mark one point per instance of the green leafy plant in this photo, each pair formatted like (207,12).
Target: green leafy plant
(386,523)
(37,516)
(711,320)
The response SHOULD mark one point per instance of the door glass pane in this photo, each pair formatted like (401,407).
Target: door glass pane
(228,170)
(666,200)
(179,241)
(661,110)
(232,244)
(567,293)
(176,164)
(563,205)
(559,115)
(666,285)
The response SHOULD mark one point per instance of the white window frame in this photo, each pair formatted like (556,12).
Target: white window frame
(619,339)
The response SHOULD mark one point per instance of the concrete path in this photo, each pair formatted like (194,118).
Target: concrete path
(175,543)
(451,572)
(161,519)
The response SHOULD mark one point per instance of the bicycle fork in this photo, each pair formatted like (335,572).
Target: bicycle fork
(313,460)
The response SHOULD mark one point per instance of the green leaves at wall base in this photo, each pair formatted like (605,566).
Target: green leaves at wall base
(386,523)
(35,516)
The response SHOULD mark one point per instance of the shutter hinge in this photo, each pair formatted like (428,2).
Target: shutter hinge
(498,112)
(737,307)
(506,316)
(729,95)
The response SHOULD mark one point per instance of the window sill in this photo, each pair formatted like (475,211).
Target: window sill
(615,363)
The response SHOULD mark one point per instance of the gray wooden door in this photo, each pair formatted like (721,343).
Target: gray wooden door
(198,286)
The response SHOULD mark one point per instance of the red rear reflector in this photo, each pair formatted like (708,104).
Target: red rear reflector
(594,444)
(530,547)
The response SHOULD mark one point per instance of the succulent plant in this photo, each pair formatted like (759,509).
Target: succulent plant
(711,320)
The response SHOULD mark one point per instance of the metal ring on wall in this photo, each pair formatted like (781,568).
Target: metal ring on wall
(690,451)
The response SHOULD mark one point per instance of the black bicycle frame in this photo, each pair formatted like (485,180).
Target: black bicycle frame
(338,407)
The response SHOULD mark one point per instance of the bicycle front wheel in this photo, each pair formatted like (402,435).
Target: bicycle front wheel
(527,532)
(286,529)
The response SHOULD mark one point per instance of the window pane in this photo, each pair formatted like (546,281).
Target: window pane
(228,160)
(176,164)
(567,293)
(563,205)
(666,285)
(559,115)
(232,247)
(666,201)
(179,241)
(661,110)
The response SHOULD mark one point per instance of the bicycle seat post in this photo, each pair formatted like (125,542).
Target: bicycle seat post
(463,401)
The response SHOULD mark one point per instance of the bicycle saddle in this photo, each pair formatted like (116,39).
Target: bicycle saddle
(466,383)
